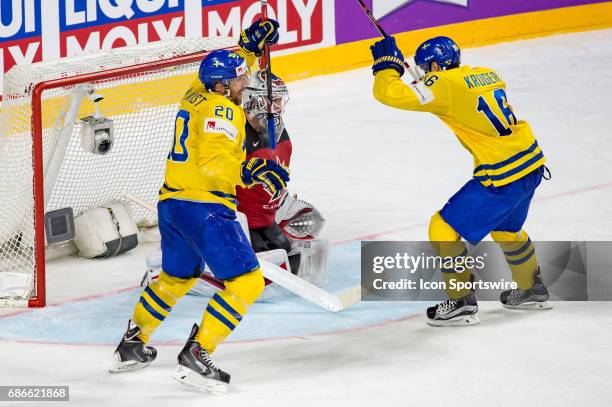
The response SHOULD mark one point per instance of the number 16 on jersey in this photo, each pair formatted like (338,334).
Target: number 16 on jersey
(504,107)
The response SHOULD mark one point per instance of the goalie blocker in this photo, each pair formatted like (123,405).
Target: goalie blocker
(298,223)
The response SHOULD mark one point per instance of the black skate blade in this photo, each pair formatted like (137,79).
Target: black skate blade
(531,306)
(129,366)
(463,320)
(193,380)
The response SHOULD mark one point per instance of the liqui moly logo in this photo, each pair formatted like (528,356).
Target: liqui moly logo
(42,30)
(381,8)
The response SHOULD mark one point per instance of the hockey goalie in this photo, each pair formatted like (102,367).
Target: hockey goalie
(283,229)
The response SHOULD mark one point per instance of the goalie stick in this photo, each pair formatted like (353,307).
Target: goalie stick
(298,286)
(382,32)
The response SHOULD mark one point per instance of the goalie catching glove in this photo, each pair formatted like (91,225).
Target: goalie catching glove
(299,219)
(272,176)
(254,38)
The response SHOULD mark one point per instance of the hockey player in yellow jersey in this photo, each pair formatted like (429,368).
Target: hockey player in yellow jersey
(197,218)
(508,167)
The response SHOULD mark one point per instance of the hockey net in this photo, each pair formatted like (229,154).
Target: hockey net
(42,164)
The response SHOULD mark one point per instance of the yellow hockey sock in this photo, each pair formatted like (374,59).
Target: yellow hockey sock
(227,307)
(520,256)
(448,244)
(157,300)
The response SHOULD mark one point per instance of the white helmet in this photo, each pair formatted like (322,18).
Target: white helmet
(255,103)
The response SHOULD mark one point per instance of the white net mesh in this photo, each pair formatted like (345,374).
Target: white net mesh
(143,106)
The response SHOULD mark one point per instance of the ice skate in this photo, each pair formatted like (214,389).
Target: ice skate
(535,298)
(454,312)
(132,353)
(196,369)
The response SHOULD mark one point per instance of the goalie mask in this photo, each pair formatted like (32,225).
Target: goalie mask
(255,103)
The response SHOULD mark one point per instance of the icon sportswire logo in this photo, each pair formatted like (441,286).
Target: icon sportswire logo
(381,8)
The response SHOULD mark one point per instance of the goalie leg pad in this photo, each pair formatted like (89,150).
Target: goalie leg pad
(270,238)
(295,258)
(313,260)
(15,285)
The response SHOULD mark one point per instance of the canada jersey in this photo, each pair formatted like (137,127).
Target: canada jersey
(474,104)
(204,161)
(257,204)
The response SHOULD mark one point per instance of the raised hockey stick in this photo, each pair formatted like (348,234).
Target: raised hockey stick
(267,63)
(382,32)
(291,282)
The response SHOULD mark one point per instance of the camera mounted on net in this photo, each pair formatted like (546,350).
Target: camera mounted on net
(97,132)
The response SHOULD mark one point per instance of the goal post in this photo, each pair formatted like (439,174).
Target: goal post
(43,166)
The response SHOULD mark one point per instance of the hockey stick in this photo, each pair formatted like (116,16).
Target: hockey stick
(382,32)
(289,281)
(268,64)
(308,291)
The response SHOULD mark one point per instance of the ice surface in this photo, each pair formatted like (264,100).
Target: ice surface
(375,173)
